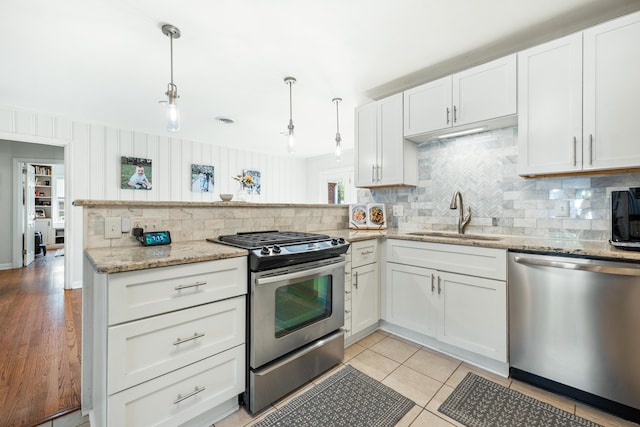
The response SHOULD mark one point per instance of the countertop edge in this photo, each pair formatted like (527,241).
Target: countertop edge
(115,260)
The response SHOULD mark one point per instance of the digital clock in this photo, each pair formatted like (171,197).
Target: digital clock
(155,238)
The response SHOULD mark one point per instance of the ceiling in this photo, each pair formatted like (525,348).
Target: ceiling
(107,61)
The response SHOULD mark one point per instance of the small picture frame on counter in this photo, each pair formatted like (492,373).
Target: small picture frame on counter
(371,216)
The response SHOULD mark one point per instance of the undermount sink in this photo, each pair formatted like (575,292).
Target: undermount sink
(454,235)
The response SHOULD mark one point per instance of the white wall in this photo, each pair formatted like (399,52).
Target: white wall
(92,168)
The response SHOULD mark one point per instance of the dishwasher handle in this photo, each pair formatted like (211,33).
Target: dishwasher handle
(593,268)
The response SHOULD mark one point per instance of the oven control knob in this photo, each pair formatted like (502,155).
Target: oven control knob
(334,241)
(341,241)
(265,251)
(276,249)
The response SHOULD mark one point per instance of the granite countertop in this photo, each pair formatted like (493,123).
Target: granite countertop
(131,258)
(113,260)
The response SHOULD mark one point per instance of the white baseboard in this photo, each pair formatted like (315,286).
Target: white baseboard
(6,266)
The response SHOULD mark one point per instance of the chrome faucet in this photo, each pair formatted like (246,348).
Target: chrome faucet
(462,220)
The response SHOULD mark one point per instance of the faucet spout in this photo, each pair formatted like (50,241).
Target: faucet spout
(462,219)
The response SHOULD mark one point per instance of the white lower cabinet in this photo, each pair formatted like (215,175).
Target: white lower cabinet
(473,314)
(164,346)
(411,299)
(365,299)
(463,311)
(362,290)
(175,398)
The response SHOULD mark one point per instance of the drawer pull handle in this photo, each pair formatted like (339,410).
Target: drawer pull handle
(432,284)
(439,287)
(366,252)
(347,311)
(355,282)
(195,391)
(347,292)
(195,336)
(192,285)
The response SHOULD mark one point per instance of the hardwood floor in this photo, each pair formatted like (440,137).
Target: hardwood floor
(40,347)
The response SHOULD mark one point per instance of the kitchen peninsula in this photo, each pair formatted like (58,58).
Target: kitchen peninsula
(119,271)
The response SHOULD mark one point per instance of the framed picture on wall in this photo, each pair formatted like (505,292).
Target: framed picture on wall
(255,176)
(135,173)
(202,178)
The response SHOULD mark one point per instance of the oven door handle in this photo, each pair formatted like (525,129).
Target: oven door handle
(299,274)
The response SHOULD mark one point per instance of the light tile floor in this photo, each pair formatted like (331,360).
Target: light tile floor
(426,377)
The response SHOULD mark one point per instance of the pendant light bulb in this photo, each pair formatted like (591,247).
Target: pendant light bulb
(291,141)
(173,114)
(338,137)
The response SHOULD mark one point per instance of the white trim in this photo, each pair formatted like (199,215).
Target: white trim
(6,266)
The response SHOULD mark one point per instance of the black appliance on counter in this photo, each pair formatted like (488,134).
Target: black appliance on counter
(625,219)
(295,310)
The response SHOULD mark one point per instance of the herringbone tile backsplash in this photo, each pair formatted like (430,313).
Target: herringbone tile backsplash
(483,168)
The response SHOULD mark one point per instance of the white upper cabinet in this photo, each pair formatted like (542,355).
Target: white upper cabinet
(428,107)
(550,107)
(612,94)
(485,92)
(578,99)
(384,158)
(478,94)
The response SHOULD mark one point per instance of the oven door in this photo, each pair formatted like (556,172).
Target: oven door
(293,306)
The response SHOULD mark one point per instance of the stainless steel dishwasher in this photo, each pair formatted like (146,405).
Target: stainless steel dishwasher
(574,328)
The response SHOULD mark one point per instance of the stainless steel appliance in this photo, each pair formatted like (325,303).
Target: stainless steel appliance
(574,328)
(625,218)
(295,310)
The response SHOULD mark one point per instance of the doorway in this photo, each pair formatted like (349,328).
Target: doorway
(337,186)
(42,210)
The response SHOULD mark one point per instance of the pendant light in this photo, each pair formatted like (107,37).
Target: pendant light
(173,115)
(338,137)
(291,142)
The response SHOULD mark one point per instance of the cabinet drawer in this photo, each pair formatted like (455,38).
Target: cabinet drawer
(363,253)
(470,260)
(144,349)
(174,399)
(138,294)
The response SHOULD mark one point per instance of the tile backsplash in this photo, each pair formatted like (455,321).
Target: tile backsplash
(483,168)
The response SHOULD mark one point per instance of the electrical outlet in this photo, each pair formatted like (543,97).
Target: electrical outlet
(112,228)
(136,222)
(562,208)
(147,223)
(398,210)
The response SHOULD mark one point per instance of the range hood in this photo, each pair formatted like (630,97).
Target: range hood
(467,129)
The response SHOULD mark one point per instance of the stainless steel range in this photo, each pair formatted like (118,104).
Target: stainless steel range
(295,310)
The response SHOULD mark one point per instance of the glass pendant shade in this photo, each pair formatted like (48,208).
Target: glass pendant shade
(173,117)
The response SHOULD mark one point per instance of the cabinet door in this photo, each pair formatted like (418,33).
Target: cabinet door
(473,314)
(428,107)
(390,141)
(485,92)
(550,107)
(44,227)
(411,298)
(366,144)
(612,94)
(365,299)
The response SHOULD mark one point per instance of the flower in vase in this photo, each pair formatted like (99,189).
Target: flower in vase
(244,180)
